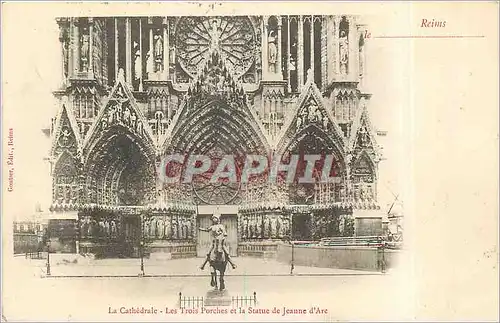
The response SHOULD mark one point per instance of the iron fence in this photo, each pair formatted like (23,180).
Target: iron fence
(199,301)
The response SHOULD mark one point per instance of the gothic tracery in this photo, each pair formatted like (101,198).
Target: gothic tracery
(138,88)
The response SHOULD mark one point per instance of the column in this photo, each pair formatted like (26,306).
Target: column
(91,61)
(362,57)
(76,47)
(330,56)
(265,67)
(62,40)
(312,44)
(262,107)
(140,53)
(169,109)
(128,52)
(116,49)
(336,45)
(300,53)
(279,70)
(353,52)
(151,50)
(166,49)
(288,54)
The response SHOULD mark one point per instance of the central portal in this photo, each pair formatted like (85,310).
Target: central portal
(229,218)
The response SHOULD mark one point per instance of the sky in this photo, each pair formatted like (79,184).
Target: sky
(33,72)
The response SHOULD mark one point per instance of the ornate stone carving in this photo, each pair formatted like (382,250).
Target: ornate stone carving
(233,37)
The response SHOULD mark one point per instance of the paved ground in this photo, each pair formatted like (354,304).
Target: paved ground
(79,266)
(346,295)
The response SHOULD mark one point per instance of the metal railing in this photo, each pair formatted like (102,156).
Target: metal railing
(244,300)
(199,301)
(190,301)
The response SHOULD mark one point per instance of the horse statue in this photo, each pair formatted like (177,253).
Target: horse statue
(218,256)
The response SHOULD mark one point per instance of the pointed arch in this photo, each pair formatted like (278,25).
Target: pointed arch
(65,176)
(216,104)
(120,111)
(120,170)
(310,97)
(364,165)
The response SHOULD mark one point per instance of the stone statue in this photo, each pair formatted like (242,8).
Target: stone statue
(273,227)
(146,228)
(139,127)
(291,62)
(133,118)
(286,225)
(111,116)
(251,228)
(325,122)
(168,229)
(161,228)
(126,116)
(279,227)
(215,34)
(152,228)
(344,52)
(84,50)
(272,52)
(107,228)
(118,112)
(159,124)
(189,229)
(102,228)
(364,138)
(158,52)
(299,122)
(341,224)
(137,62)
(150,62)
(245,228)
(85,228)
(267,227)
(175,233)
(258,227)
(313,108)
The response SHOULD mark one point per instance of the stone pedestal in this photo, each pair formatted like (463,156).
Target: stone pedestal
(217,298)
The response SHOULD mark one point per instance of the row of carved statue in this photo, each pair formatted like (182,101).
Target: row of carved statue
(251,227)
(327,225)
(119,115)
(166,227)
(274,226)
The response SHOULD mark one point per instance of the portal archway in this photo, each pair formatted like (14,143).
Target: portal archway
(120,170)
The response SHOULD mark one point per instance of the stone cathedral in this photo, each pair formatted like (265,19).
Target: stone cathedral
(136,88)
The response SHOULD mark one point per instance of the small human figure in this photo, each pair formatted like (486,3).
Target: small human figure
(150,63)
(344,52)
(219,234)
(137,62)
(299,122)
(84,50)
(273,52)
(158,52)
(325,122)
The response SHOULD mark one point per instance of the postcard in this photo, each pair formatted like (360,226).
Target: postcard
(250,161)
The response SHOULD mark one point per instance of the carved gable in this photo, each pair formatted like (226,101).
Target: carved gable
(363,136)
(216,82)
(65,139)
(310,111)
(120,110)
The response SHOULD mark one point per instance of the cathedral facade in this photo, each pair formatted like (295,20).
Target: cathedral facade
(135,89)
